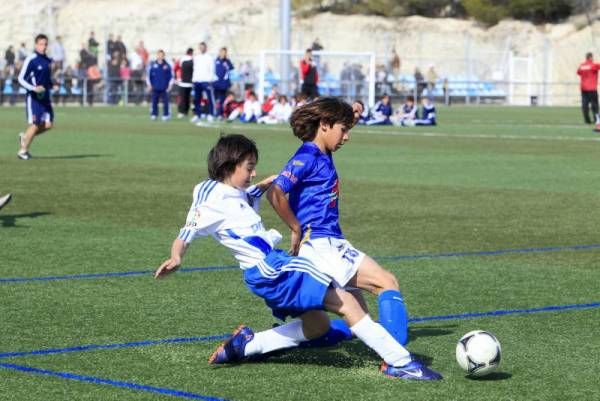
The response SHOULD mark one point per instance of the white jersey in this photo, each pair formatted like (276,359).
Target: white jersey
(204,68)
(230,215)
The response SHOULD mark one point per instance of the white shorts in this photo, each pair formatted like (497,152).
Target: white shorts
(335,257)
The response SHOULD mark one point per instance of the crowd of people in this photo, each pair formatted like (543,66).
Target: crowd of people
(201,83)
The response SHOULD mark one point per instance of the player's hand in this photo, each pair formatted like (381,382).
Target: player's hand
(55,88)
(149,88)
(168,266)
(296,237)
(39,89)
(266,183)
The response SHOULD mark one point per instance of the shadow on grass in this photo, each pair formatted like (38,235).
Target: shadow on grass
(70,157)
(495,376)
(10,220)
(430,331)
(345,355)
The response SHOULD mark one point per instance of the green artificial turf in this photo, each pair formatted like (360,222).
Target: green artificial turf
(108,190)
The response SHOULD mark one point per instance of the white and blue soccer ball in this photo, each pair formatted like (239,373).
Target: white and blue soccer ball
(478,353)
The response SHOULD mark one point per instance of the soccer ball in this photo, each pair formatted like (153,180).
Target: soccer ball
(478,353)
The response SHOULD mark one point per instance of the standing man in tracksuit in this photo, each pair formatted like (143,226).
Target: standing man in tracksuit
(588,74)
(159,80)
(184,83)
(203,78)
(222,68)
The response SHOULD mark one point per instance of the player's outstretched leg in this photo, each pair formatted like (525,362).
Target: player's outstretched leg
(233,349)
(4,200)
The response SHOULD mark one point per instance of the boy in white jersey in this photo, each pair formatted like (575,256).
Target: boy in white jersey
(226,207)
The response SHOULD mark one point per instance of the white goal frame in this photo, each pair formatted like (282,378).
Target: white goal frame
(262,69)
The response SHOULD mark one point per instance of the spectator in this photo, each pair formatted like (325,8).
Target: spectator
(160,80)
(114,78)
(203,78)
(309,75)
(250,110)
(93,44)
(395,63)
(588,74)
(419,81)
(408,112)
(222,68)
(271,100)
(382,112)
(120,47)
(58,53)
(141,51)
(230,105)
(183,78)
(9,57)
(317,47)
(22,54)
(280,113)
(93,77)
(431,80)
(111,46)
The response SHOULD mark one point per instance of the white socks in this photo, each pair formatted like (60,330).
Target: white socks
(285,336)
(379,340)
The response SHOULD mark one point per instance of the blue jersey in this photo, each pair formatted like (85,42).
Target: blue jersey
(312,183)
(36,71)
(159,75)
(410,110)
(429,113)
(383,110)
(222,68)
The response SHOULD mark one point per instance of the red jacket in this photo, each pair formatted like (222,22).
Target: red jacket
(588,73)
(308,72)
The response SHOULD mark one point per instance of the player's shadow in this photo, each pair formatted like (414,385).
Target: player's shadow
(429,331)
(494,376)
(70,157)
(347,354)
(10,220)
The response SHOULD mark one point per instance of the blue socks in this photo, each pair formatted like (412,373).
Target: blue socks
(338,332)
(393,316)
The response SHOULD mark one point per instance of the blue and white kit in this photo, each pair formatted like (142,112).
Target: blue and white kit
(289,285)
(36,71)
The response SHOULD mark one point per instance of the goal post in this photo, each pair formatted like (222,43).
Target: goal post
(350,75)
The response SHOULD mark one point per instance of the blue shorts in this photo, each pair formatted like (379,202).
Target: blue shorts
(290,285)
(38,111)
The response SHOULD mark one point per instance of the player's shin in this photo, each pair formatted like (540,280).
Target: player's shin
(338,332)
(285,336)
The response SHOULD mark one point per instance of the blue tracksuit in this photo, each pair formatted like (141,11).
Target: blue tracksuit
(159,78)
(222,84)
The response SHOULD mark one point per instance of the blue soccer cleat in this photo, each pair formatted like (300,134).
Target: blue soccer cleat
(414,370)
(232,349)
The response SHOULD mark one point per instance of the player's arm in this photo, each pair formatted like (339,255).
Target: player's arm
(170,265)
(265,184)
(279,201)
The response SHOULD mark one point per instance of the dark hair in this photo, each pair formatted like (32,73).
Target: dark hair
(305,119)
(410,98)
(359,102)
(228,152)
(40,37)
(189,51)
(589,55)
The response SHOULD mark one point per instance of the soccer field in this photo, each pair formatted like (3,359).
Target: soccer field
(490,221)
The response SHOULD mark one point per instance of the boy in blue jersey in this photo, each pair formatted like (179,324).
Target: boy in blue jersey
(427,113)
(159,81)
(226,207)
(407,113)
(382,112)
(36,78)
(311,212)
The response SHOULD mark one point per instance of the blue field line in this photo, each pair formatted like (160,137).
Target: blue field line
(108,382)
(460,316)
(220,268)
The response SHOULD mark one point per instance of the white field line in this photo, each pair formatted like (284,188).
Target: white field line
(432,134)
